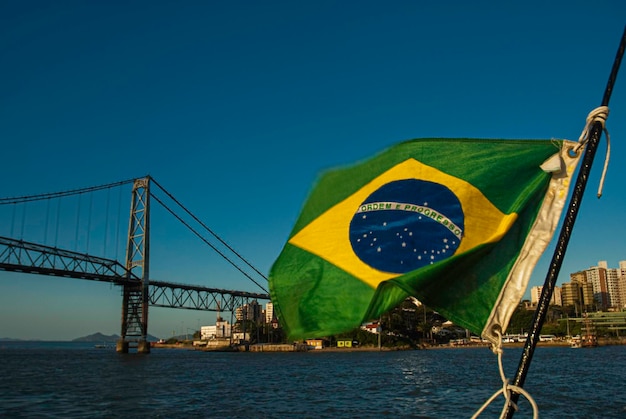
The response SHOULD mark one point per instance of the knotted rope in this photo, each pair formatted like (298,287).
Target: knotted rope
(507,388)
(599,114)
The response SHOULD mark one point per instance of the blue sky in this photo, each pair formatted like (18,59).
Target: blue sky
(236,107)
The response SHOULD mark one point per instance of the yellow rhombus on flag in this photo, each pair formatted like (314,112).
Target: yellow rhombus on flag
(457,223)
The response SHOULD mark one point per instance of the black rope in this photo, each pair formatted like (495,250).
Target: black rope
(208,229)
(564,236)
(206,241)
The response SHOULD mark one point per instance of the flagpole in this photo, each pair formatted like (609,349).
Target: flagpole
(564,236)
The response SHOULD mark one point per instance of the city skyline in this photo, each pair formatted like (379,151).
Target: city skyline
(597,288)
(237,108)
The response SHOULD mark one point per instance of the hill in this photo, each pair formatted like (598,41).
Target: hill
(99,337)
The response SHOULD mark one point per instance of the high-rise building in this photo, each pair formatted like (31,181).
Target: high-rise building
(609,285)
(578,293)
(597,276)
(570,294)
(269,312)
(622,283)
(613,287)
(221,329)
(556,300)
(251,311)
(596,288)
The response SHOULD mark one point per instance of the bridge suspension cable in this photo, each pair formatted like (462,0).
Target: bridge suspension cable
(194,231)
(221,249)
(40,197)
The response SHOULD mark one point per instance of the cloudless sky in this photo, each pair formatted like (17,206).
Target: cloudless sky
(236,108)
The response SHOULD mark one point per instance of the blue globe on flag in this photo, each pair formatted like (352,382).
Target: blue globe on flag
(407,224)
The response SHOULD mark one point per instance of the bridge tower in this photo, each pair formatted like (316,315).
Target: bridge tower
(135,292)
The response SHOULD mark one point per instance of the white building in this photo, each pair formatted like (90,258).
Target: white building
(556,300)
(269,312)
(613,286)
(609,285)
(251,311)
(597,276)
(221,329)
(622,282)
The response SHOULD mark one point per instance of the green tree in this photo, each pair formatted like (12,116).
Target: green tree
(521,320)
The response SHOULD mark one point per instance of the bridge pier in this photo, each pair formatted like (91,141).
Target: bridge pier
(18,255)
(143,347)
(135,293)
(121,347)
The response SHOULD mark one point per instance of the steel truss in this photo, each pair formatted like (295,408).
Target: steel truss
(27,257)
(138,290)
(135,295)
(167,294)
(31,258)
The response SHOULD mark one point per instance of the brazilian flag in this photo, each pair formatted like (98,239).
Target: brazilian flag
(457,223)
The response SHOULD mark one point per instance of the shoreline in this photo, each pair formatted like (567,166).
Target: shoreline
(266,347)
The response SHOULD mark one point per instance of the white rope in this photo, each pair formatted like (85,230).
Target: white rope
(606,162)
(507,388)
(599,114)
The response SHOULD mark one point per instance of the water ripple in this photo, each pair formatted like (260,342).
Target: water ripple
(69,382)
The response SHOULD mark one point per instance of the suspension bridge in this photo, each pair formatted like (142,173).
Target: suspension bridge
(53,250)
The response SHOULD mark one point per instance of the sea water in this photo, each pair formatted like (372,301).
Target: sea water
(66,380)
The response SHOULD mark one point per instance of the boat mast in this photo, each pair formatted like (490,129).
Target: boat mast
(564,236)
